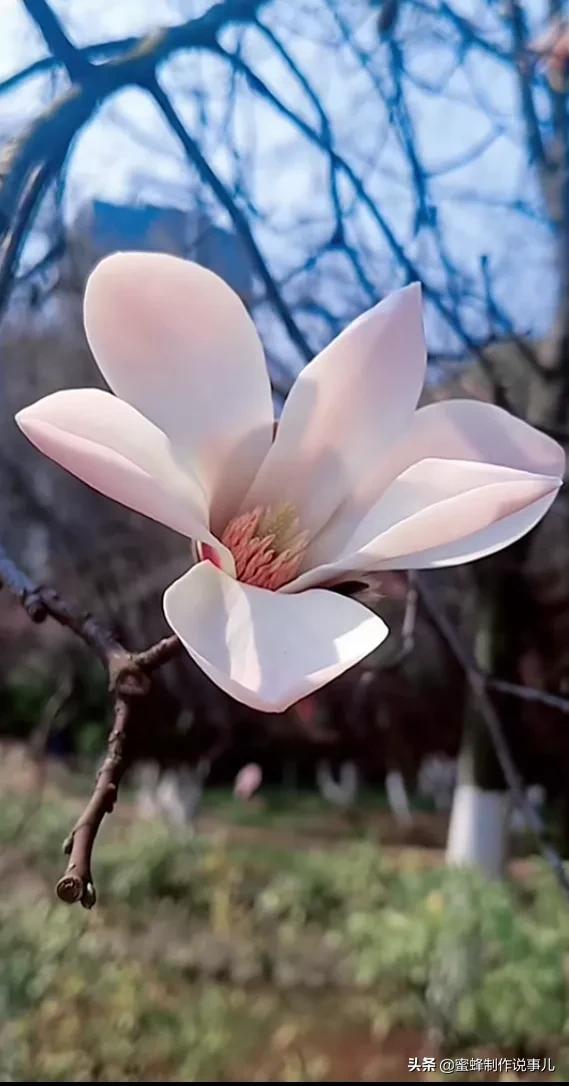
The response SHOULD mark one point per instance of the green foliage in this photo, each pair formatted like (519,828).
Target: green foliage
(483,965)
(160,981)
(78,1007)
(36,829)
(157,863)
(23,694)
(27,688)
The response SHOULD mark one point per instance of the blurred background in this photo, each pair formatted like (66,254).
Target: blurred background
(338,891)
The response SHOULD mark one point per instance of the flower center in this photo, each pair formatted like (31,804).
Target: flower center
(267,546)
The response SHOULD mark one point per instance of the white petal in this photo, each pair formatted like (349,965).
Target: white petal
(479,544)
(175,341)
(441,512)
(453,430)
(263,648)
(470,430)
(345,410)
(109,445)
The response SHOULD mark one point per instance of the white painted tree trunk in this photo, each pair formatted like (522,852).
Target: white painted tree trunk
(398,798)
(479,829)
(180,792)
(174,795)
(342,792)
(437,780)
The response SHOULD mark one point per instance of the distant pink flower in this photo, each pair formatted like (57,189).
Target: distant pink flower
(247,781)
(355,480)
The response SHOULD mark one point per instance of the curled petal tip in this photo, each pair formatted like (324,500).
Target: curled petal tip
(27,420)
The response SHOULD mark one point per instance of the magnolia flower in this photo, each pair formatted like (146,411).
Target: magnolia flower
(354,481)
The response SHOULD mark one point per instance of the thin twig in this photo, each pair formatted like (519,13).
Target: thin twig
(34,159)
(409,622)
(130,685)
(529,693)
(239,219)
(76,884)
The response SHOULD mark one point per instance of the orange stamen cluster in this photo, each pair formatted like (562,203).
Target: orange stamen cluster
(267,546)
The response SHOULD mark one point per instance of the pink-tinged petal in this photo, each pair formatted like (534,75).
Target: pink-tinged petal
(176,342)
(345,410)
(438,513)
(479,544)
(112,447)
(263,648)
(451,430)
(470,430)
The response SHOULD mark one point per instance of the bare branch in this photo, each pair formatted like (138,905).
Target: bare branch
(397,248)
(131,688)
(326,133)
(11,243)
(530,694)
(75,62)
(19,585)
(478,683)
(214,182)
(535,141)
(76,884)
(42,150)
(99,51)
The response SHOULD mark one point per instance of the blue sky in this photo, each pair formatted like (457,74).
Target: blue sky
(126,153)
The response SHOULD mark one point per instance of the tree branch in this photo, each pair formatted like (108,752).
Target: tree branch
(100,50)
(478,683)
(75,62)
(76,884)
(214,182)
(14,238)
(49,138)
(535,142)
(131,688)
(396,247)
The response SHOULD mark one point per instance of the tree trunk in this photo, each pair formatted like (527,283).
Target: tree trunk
(398,798)
(479,823)
(340,790)
(480,817)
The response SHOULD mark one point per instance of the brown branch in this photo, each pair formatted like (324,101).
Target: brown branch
(160,653)
(19,585)
(131,687)
(76,884)
(130,682)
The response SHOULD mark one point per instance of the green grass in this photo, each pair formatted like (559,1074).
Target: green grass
(150,985)
(283,808)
